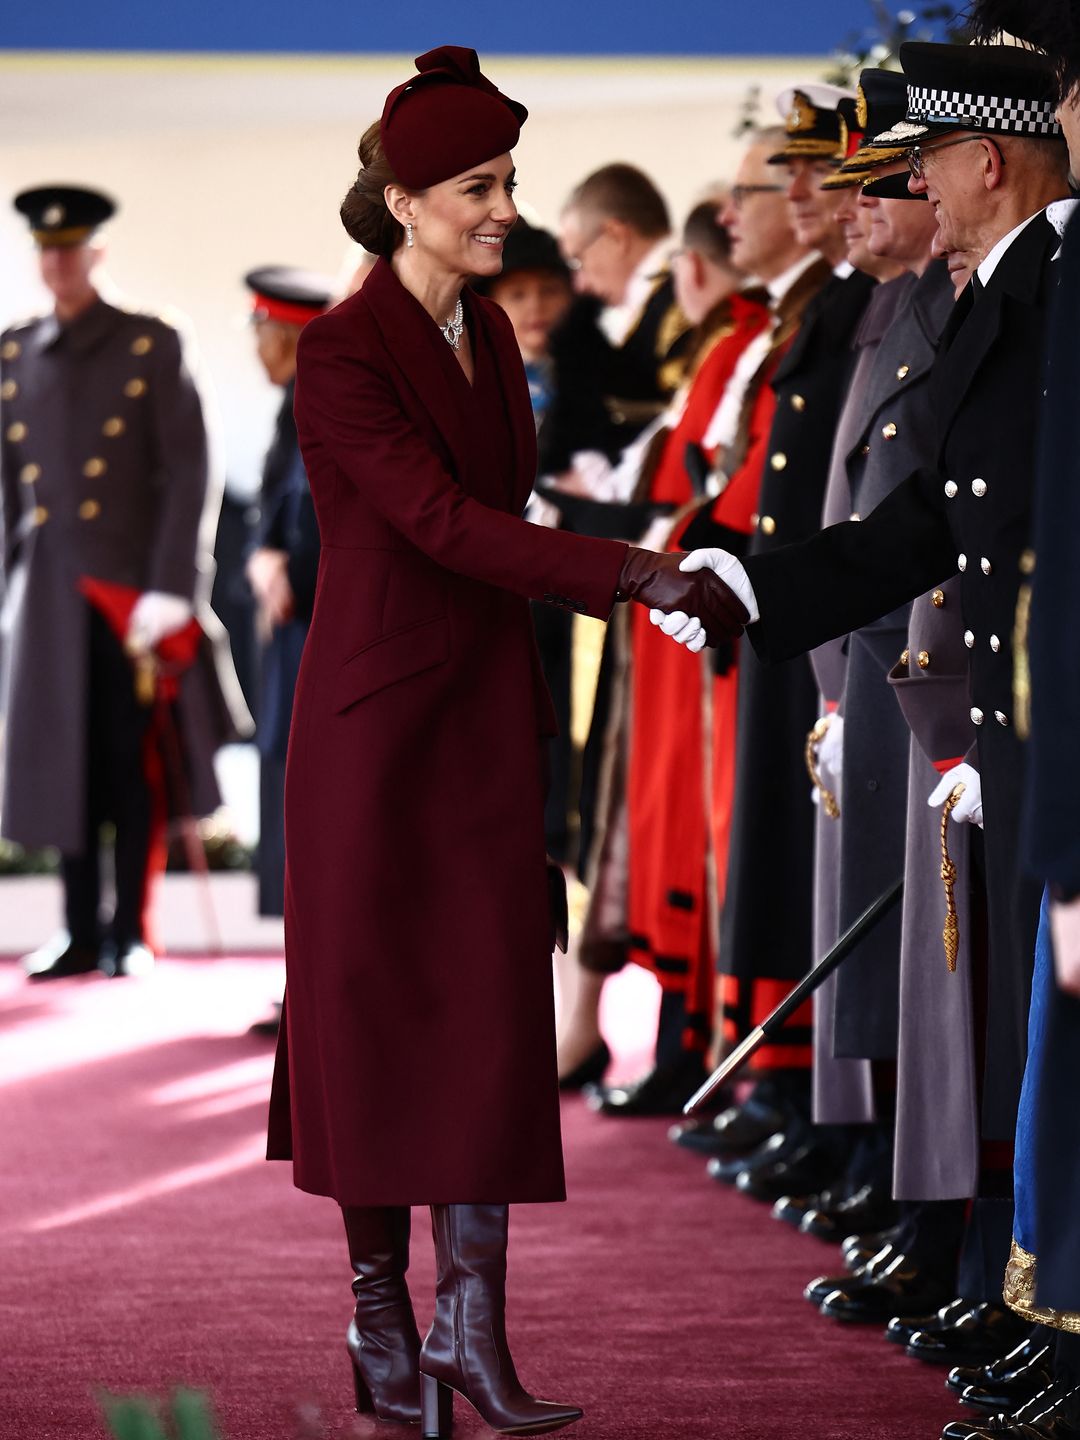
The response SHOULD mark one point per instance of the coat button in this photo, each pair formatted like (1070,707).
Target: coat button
(995,644)
(977,716)
(134,388)
(8,390)
(94,467)
(778,461)
(1001,717)
(961,563)
(29,474)
(978,488)
(10,350)
(89,510)
(937,599)
(113,426)
(903,372)
(969,638)
(798,402)
(923,659)
(865,450)
(985,566)
(38,515)
(873,785)
(17,432)
(905,656)
(950,489)
(768,525)
(889,431)
(142,345)
(854,515)
(1027,562)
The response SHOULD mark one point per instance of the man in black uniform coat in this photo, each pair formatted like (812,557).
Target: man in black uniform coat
(284,562)
(971,511)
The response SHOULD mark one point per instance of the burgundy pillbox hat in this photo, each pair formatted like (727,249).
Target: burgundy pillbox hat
(447,117)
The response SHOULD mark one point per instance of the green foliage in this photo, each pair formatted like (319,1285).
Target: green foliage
(878,45)
(137,1418)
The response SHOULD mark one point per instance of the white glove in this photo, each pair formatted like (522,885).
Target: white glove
(1065,929)
(730,570)
(684,629)
(830,753)
(156,615)
(969,806)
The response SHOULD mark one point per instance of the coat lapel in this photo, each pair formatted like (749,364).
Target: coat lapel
(510,374)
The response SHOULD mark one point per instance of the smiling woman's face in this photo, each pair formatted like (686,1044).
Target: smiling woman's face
(460,224)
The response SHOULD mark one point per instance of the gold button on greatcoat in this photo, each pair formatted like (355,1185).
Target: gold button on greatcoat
(905,656)
(995,643)
(865,450)
(1027,562)
(798,402)
(923,659)
(889,431)
(134,388)
(937,599)
(89,510)
(902,372)
(8,390)
(94,467)
(977,716)
(10,350)
(17,432)
(29,473)
(39,515)
(113,426)
(768,525)
(142,346)
(778,461)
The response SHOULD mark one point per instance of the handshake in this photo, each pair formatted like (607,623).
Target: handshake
(688,596)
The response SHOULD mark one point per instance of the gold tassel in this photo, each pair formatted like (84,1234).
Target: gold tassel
(951,932)
(813,740)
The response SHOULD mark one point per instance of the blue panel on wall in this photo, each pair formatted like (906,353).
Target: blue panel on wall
(554,27)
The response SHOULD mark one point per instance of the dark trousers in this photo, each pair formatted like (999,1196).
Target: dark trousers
(117,791)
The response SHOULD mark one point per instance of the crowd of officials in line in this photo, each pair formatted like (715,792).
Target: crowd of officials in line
(861,348)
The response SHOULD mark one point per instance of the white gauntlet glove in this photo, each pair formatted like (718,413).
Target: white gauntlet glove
(156,615)
(969,806)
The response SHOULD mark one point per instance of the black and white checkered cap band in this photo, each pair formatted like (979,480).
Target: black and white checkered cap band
(982,112)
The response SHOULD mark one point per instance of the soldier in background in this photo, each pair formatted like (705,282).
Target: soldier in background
(105,474)
(284,562)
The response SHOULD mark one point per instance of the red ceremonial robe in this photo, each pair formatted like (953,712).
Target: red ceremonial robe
(416,1063)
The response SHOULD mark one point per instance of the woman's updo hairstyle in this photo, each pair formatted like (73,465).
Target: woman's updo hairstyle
(363,211)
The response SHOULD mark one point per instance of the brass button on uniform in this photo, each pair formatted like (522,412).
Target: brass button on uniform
(8,390)
(778,461)
(29,473)
(905,656)
(854,515)
(142,346)
(798,402)
(10,350)
(865,450)
(985,566)
(977,716)
(16,432)
(937,599)
(1027,562)
(969,638)
(39,515)
(113,426)
(1001,717)
(950,489)
(89,510)
(995,643)
(134,388)
(978,488)
(903,372)
(923,659)
(889,431)
(768,525)
(94,467)
(961,563)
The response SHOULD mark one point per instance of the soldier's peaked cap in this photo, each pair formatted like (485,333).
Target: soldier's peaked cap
(64,215)
(288,294)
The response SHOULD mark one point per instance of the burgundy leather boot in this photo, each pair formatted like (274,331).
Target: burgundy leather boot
(383,1340)
(466,1347)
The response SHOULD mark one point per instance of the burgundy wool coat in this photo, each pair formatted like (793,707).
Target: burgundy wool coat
(416,1060)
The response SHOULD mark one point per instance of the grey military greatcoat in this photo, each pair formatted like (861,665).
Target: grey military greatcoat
(104,470)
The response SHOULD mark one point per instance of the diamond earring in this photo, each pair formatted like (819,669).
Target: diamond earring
(409,234)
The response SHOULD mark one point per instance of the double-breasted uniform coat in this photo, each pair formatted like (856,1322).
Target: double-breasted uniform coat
(970,511)
(417,1058)
(104,470)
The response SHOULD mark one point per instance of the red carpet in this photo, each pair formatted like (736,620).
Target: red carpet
(145,1244)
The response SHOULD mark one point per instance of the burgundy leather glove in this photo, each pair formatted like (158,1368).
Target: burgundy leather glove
(656,580)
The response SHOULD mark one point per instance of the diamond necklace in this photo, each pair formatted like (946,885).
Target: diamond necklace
(455,326)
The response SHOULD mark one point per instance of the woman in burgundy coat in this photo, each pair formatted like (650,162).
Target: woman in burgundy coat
(417,1057)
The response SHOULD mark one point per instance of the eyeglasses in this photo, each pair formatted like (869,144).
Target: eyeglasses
(916,156)
(740,192)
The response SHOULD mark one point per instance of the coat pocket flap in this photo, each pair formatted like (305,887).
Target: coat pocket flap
(390,659)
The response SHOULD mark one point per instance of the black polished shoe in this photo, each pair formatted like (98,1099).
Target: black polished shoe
(867,1209)
(1052,1414)
(899,1289)
(792,1209)
(664,1090)
(589,1071)
(808,1167)
(1007,1381)
(726,1170)
(58,958)
(735,1131)
(984,1332)
(825,1285)
(899,1331)
(131,957)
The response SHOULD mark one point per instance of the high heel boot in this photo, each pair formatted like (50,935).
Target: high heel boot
(383,1340)
(466,1347)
